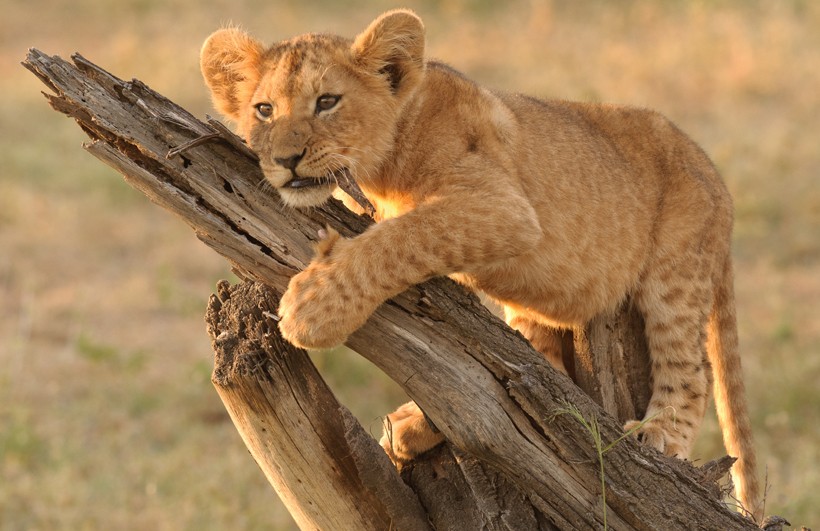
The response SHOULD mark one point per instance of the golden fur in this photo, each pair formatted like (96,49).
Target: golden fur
(556,210)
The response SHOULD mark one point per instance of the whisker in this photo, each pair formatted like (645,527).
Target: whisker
(327,70)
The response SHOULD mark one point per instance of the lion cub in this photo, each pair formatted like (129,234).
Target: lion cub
(555,210)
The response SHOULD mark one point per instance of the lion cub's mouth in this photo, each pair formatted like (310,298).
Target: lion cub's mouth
(299,182)
(341,178)
(307,182)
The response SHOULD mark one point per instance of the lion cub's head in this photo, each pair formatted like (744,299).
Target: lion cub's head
(316,104)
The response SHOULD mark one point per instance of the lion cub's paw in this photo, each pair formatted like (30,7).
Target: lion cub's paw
(319,310)
(408,434)
(663,434)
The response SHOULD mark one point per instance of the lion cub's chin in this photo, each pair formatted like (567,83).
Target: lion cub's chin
(306,197)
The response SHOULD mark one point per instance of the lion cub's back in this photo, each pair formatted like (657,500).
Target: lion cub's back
(612,186)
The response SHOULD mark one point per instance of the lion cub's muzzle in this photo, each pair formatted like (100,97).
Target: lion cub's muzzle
(299,181)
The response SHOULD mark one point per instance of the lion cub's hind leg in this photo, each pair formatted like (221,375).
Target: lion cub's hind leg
(545,339)
(408,433)
(675,302)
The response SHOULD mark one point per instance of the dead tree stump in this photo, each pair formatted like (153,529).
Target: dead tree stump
(501,406)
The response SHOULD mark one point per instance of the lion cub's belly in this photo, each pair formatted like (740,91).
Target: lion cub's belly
(560,291)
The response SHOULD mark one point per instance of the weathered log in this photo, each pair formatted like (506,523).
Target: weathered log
(486,389)
(327,470)
(612,362)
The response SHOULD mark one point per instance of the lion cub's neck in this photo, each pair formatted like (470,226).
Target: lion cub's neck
(416,169)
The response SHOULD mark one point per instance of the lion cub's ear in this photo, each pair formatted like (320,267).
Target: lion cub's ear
(393,46)
(230,60)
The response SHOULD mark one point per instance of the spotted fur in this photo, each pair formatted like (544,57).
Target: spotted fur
(555,210)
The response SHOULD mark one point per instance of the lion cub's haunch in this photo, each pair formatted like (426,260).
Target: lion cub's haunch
(555,210)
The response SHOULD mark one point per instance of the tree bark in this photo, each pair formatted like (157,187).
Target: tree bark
(612,362)
(493,397)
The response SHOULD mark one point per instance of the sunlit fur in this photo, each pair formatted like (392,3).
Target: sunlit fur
(556,210)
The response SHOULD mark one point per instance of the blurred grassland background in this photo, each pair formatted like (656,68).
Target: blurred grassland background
(107,416)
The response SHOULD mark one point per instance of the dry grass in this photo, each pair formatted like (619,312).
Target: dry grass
(107,418)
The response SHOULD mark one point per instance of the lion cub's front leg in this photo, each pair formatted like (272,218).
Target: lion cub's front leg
(350,278)
(408,433)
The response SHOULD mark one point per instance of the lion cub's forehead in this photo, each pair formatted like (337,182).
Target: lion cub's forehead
(300,63)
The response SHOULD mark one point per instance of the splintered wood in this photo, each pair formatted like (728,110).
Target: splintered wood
(351,187)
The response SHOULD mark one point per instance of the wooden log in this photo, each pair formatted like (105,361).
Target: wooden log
(327,470)
(486,389)
(612,362)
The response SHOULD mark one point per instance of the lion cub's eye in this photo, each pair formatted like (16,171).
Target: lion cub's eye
(325,102)
(264,111)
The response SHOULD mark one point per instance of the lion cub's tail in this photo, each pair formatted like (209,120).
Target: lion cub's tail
(730,394)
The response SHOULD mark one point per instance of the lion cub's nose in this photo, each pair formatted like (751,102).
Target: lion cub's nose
(291,162)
